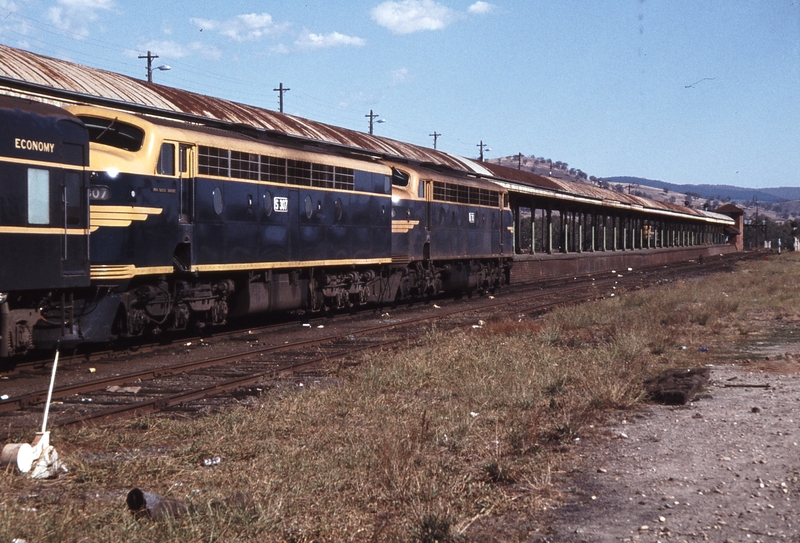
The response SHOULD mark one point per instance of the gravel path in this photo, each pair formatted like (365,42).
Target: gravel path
(723,469)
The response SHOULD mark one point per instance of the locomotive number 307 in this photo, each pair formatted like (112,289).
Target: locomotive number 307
(280,204)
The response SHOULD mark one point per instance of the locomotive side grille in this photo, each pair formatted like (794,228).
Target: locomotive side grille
(460,194)
(242,165)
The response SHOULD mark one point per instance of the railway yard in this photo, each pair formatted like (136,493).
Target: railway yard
(187,373)
(274,329)
(495,418)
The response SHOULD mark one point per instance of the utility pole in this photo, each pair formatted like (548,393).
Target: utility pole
(435,136)
(281,90)
(149,58)
(482,145)
(519,161)
(372,116)
(757,227)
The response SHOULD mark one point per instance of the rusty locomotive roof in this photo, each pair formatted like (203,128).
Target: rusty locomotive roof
(31,74)
(80,82)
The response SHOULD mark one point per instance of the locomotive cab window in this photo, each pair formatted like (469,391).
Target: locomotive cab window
(166,160)
(400,178)
(114,133)
(38,196)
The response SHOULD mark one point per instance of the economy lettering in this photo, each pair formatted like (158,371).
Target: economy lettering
(30,145)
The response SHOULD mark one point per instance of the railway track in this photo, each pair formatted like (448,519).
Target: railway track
(199,373)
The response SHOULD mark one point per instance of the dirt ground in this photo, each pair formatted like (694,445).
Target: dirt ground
(723,468)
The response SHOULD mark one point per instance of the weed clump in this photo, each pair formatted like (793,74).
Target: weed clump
(432,529)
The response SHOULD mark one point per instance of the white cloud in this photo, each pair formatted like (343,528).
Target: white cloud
(309,40)
(16,25)
(281,49)
(172,50)
(75,16)
(245,27)
(9,5)
(481,8)
(166,49)
(358,99)
(400,77)
(408,16)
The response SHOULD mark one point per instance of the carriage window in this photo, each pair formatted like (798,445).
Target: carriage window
(166,159)
(38,196)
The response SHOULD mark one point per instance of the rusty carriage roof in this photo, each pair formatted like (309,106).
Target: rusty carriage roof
(48,79)
(523,182)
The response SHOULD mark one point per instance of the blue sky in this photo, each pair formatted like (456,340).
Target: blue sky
(704,91)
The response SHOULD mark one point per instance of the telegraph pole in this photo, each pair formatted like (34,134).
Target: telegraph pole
(519,161)
(435,136)
(482,145)
(281,91)
(372,116)
(149,58)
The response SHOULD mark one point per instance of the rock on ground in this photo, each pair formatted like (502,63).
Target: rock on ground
(723,468)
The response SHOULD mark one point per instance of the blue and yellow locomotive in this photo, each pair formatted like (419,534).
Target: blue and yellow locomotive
(44,223)
(190,225)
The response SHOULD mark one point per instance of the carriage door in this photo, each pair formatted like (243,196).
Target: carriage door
(186,183)
(74,198)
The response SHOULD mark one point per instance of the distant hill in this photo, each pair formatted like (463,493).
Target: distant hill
(772,195)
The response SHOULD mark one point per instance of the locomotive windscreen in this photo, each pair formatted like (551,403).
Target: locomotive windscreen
(114,133)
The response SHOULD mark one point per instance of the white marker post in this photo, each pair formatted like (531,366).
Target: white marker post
(25,455)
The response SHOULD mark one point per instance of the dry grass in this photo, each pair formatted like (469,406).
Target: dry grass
(411,446)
